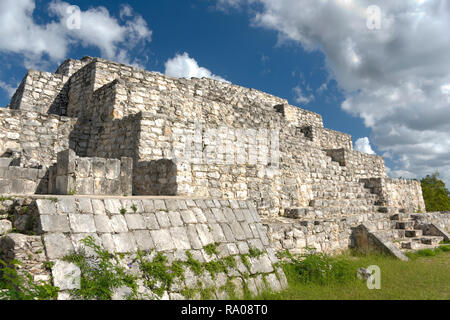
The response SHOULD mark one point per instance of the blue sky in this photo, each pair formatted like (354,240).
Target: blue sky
(270,46)
(224,43)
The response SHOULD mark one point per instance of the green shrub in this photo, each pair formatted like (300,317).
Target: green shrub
(20,286)
(435,194)
(158,276)
(319,268)
(100,274)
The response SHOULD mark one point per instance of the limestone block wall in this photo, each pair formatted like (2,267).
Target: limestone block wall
(17,180)
(185,159)
(37,137)
(441,219)
(92,176)
(398,193)
(29,250)
(330,235)
(81,90)
(330,139)
(177,228)
(299,117)
(42,92)
(143,91)
(70,66)
(362,165)
(407,194)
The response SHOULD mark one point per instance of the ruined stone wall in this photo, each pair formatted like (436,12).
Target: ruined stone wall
(298,117)
(42,92)
(330,235)
(17,180)
(37,137)
(440,219)
(125,111)
(406,194)
(92,176)
(360,164)
(330,139)
(398,193)
(70,66)
(176,228)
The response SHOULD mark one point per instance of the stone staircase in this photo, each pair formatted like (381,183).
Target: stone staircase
(336,191)
(411,236)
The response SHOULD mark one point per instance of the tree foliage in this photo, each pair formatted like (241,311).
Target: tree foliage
(435,193)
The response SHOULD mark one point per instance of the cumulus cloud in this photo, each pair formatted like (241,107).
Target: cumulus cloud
(8,88)
(301,97)
(363,145)
(395,78)
(20,33)
(183,66)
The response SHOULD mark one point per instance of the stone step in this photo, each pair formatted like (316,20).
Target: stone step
(391,210)
(413,233)
(405,225)
(340,203)
(432,240)
(322,212)
(401,217)
(411,245)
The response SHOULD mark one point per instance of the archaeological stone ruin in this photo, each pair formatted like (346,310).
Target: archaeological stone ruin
(140,161)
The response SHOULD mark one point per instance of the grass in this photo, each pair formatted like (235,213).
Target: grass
(424,277)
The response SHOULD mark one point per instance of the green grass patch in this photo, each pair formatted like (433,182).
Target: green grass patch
(422,278)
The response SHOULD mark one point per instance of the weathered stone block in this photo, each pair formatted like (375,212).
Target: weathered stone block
(162,239)
(143,240)
(112,206)
(5,227)
(83,168)
(151,222)
(124,242)
(103,224)
(46,206)
(180,238)
(98,207)
(66,162)
(188,216)
(99,167)
(53,223)
(119,224)
(84,186)
(112,169)
(67,205)
(163,219)
(175,219)
(204,234)
(85,206)
(66,276)
(135,222)
(57,245)
(82,223)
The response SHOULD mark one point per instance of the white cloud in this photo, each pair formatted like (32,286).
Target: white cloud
(395,78)
(363,145)
(8,88)
(301,97)
(21,34)
(183,66)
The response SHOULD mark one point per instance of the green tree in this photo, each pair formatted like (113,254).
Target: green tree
(435,193)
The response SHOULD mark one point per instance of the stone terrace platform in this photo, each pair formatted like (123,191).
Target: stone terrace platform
(173,226)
